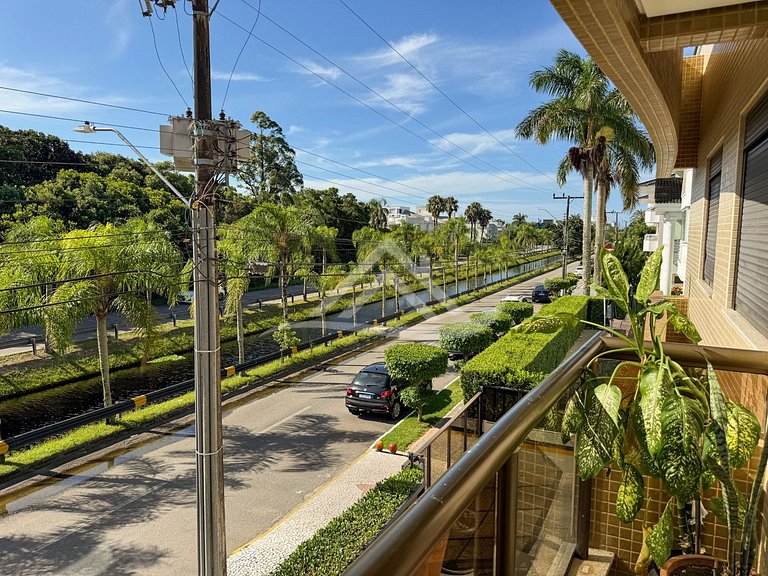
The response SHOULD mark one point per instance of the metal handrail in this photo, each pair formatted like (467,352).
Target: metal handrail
(423,526)
(416,533)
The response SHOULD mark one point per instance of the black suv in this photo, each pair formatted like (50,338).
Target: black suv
(541,294)
(372,390)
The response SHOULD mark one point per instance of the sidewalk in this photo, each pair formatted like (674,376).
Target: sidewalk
(265,553)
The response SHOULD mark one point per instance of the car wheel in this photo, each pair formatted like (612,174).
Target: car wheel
(353,411)
(524,300)
(395,411)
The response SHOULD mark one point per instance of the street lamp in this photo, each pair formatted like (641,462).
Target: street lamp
(88,128)
(564,251)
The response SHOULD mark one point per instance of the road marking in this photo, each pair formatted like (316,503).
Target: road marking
(283,421)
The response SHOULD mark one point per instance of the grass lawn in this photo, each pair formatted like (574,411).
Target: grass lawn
(410,429)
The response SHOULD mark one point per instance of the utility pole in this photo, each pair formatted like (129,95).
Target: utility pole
(615,225)
(568,199)
(211,537)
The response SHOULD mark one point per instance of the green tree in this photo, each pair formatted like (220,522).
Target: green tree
(286,338)
(472,214)
(33,157)
(235,251)
(451,206)
(519,218)
(436,206)
(281,236)
(107,268)
(484,218)
(377,218)
(271,173)
(584,107)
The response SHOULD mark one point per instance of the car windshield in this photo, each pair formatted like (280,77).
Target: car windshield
(369,380)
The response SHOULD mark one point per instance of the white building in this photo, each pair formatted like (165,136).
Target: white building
(397,215)
(669,204)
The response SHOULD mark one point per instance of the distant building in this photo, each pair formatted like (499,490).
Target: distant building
(397,215)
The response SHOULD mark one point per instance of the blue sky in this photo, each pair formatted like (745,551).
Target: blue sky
(479,54)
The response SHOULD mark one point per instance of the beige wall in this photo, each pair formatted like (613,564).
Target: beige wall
(734,79)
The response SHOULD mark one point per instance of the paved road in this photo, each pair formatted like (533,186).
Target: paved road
(134,513)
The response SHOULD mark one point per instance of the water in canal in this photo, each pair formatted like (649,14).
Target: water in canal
(34,410)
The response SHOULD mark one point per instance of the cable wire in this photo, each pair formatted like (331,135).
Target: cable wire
(82,101)
(247,38)
(181,49)
(160,61)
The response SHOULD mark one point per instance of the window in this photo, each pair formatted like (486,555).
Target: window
(713,204)
(751,296)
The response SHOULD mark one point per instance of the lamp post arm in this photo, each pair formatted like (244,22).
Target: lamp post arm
(149,164)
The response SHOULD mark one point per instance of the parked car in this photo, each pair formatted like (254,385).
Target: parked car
(580,271)
(541,294)
(516,298)
(373,390)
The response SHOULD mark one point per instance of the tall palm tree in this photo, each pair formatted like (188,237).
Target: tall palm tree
(282,236)
(472,214)
(435,206)
(451,206)
(584,106)
(378,214)
(324,239)
(519,218)
(483,219)
(235,256)
(113,265)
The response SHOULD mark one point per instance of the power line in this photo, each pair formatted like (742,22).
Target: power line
(65,119)
(82,101)
(160,61)
(451,100)
(181,48)
(234,66)
(512,179)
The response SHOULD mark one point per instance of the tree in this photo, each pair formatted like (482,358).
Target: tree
(286,338)
(325,241)
(34,157)
(484,218)
(451,206)
(378,214)
(235,252)
(435,206)
(584,107)
(271,174)
(472,214)
(519,218)
(526,236)
(107,268)
(416,364)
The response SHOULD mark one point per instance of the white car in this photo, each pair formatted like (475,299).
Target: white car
(580,271)
(516,298)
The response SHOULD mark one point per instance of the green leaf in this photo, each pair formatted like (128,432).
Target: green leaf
(655,387)
(573,417)
(659,308)
(682,424)
(742,434)
(682,324)
(719,507)
(649,278)
(614,277)
(659,540)
(629,498)
(594,444)
(610,397)
(715,444)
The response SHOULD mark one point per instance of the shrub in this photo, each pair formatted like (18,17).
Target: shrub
(417,364)
(468,338)
(521,360)
(557,284)
(518,311)
(496,321)
(335,546)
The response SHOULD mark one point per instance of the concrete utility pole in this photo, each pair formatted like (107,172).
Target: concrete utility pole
(568,199)
(211,537)
(615,225)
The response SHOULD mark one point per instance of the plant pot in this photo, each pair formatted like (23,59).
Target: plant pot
(693,565)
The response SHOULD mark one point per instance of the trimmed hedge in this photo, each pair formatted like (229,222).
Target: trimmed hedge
(519,360)
(333,548)
(415,363)
(466,337)
(496,321)
(518,311)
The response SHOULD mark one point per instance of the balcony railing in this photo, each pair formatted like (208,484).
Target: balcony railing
(484,514)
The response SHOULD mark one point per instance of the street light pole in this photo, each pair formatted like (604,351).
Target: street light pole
(568,199)
(615,225)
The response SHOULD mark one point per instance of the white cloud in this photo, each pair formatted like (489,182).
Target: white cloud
(408,91)
(237,76)
(35,82)
(410,46)
(398,161)
(313,68)
(477,143)
(119,20)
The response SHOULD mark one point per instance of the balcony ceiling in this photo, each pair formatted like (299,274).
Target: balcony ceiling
(653,8)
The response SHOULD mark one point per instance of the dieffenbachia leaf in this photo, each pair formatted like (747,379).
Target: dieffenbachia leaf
(629,497)
(573,417)
(614,278)
(610,397)
(660,538)
(679,459)
(682,324)
(655,387)
(742,434)
(659,308)
(594,444)
(649,279)
(719,507)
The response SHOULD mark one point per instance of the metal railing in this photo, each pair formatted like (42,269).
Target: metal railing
(486,481)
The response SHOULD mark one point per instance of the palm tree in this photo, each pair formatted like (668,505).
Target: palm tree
(472,214)
(584,107)
(519,218)
(110,276)
(435,206)
(483,219)
(451,206)
(235,252)
(378,214)
(325,240)
(526,235)
(282,236)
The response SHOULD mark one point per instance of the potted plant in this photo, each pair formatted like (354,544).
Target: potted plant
(665,422)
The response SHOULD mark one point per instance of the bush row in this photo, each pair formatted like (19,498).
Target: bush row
(521,360)
(518,311)
(334,547)
(497,321)
(467,338)
(415,363)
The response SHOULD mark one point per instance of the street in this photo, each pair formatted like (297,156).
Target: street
(134,512)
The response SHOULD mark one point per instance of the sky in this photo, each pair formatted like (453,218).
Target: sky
(360,117)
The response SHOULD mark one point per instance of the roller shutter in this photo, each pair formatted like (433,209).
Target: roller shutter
(713,197)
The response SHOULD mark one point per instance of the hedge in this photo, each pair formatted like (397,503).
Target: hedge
(520,360)
(468,338)
(496,321)
(415,363)
(333,548)
(519,311)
